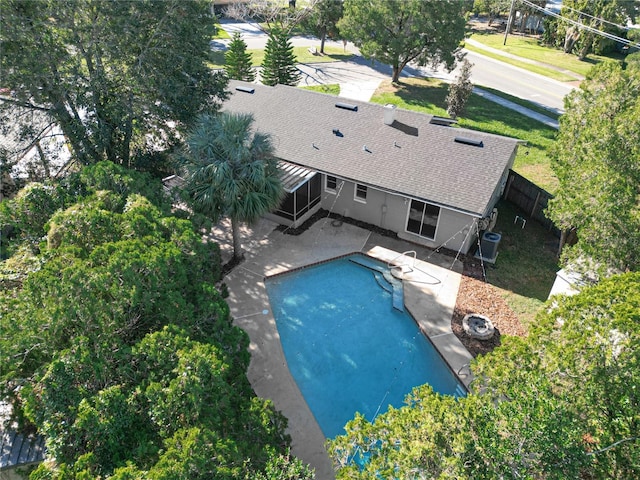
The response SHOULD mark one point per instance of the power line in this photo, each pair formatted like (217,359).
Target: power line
(582,26)
(602,20)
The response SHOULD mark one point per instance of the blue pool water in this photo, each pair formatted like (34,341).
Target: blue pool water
(346,346)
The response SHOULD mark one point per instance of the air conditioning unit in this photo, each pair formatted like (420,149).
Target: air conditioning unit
(489,245)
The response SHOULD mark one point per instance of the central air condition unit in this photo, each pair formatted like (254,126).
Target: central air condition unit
(489,245)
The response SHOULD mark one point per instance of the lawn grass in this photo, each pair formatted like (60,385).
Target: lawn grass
(526,265)
(221,33)
(428,95)
(330,89)
(302,54)
(525,103)
(529,48)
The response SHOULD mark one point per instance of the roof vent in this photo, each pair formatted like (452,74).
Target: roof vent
(469,141)
(347,106)
(246,89)
(443,121)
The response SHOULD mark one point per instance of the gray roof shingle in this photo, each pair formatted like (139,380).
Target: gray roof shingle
(412,156)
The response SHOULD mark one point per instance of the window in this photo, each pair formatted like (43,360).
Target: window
(360,194)
(423,219)
(331,184)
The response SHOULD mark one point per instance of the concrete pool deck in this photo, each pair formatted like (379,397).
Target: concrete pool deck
(430,293)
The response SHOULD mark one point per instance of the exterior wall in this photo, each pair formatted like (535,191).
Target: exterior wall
(343,203)
(565,284)
(300,204)
(499,190)
(391,212)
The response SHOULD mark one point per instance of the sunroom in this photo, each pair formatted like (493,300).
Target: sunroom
(303,189)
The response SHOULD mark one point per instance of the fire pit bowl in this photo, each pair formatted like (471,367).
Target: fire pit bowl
(478,326)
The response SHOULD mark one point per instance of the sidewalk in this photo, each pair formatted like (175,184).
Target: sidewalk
(551,122)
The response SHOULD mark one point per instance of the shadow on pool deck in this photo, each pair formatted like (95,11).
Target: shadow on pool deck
(268,251)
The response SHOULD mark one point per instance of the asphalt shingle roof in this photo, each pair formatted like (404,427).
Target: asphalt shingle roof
(412,156)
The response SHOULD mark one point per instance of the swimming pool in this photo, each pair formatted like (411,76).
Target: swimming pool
(348,349)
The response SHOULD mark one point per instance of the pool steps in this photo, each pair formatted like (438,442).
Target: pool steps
(397,292)
(386,286)
(461,391)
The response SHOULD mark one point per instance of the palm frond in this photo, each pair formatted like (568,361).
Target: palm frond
(230,169)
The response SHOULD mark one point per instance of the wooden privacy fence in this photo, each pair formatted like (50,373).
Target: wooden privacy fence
(530,198)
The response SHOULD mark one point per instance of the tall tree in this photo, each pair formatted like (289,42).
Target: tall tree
(460,90)
(597,161)
(560,403)
(397,33)
(586,347)
(119,349)
(279,64)
(231,171)
(119,78)
(493,8)
(597,14)
(323,20)
(238,60)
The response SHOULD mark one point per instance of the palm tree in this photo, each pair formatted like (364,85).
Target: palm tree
(231,171)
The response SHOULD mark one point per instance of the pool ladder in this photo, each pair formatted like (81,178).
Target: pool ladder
(392,265)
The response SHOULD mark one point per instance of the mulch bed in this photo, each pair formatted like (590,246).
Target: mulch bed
(477,296)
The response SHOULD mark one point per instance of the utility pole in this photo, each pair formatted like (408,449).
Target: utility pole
(509,21)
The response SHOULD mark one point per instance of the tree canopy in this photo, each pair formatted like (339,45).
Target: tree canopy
(493,8)
(118,347)
(601,15)
(397,33)
(560,403)
(270,15)
(118,78)
(279,63)
(597,161)
(460,90)
(238,62)
(323,20)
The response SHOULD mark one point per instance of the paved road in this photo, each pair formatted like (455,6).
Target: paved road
(359,78)
(520,83)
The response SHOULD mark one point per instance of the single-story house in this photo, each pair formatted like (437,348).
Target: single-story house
(413,173)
